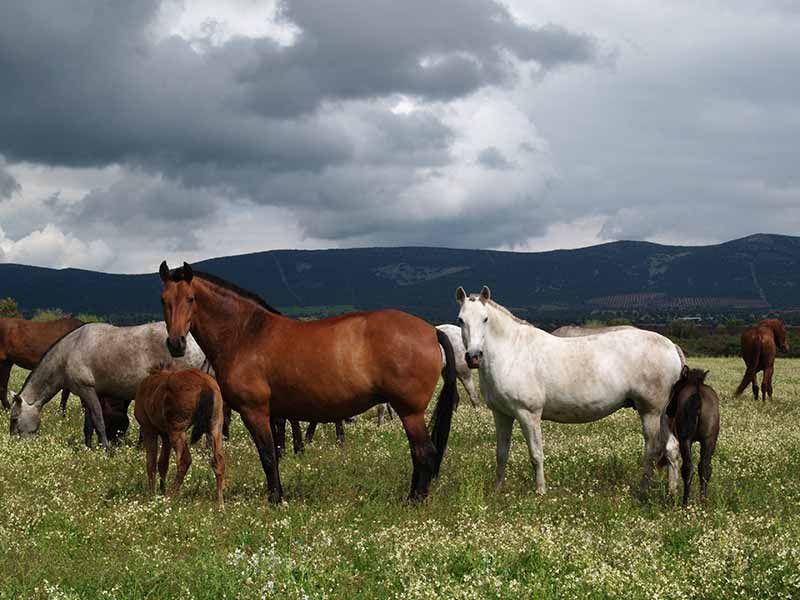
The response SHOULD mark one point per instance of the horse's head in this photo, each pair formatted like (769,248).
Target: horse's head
(473,318)
(177,298)
(24,418)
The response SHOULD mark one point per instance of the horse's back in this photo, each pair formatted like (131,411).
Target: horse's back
(170,396)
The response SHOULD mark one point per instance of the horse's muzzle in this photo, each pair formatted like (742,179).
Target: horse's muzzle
(177,346)
(473,359)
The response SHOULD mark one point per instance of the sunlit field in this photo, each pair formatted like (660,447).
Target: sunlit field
(76,523)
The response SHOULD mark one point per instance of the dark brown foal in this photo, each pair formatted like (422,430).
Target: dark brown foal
(168,402)
(694,417)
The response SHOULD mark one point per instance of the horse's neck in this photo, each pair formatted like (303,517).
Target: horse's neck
(221,320)
(506,337)
(46,379)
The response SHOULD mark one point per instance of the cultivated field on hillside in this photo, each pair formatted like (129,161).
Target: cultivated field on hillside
(75,523)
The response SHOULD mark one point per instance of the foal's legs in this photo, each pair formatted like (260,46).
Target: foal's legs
(183,459)
(687,469)
(218,464)
(5,374)
(766,383)
(503,425)
(423,455)
(531,424)
(150,441)
(707,447)
(163,462)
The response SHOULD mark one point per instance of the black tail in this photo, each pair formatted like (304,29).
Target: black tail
(687,423)
(201,419)
(750,372)
(445,405)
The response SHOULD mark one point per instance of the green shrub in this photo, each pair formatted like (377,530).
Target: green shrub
(9,308)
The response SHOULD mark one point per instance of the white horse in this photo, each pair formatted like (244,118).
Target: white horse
(528,374)
(463,372)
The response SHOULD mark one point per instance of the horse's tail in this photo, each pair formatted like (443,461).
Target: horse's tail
(446,403)
(687,421)
(201,419)
(750,372)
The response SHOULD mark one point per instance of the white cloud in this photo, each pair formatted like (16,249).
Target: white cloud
(50,247)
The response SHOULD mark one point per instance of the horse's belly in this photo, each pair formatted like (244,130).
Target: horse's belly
(584,411)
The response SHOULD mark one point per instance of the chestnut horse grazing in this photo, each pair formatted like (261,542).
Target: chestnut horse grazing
(760,344)
(168,402)
(24,343)
(270,365)
(693,412)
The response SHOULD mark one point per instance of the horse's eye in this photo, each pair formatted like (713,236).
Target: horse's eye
(190,300)
(460,321)
(485,319)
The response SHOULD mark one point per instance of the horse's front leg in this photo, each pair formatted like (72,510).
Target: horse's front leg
(469,384)
(92,404)
(64,398)
(531,424)
(503,425)
(257,421)
(423,455)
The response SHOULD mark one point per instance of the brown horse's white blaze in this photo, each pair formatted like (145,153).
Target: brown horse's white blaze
(326,370)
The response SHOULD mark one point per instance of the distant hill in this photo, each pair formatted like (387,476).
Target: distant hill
(752,275)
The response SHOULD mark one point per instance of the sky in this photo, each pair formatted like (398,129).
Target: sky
(134,131)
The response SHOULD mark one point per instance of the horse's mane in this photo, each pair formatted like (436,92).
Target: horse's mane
(44,356)
(178,275)
(502,309)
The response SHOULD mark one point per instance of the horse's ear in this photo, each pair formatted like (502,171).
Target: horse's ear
(486,294)
(187,272)
(163,271)
(461,295)
(685,372)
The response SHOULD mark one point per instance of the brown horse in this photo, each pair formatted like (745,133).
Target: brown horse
(693,413)
(326,370)
(23,343)
(168,402)
(760,344)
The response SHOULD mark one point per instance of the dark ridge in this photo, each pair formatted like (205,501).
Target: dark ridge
(44,356)
(177,275)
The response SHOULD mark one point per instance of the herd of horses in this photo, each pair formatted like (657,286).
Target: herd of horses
(221,347)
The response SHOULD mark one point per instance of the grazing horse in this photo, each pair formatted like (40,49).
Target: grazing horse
(760,344)
(694,417)
(96,360)
(168,402)
(529,375)
(268,364)
(24,343)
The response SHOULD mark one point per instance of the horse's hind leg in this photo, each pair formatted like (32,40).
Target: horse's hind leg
(339,425)
(754,383)
(766,383)
(5,374)
(218,464)
(469,384)
(226,420)
(163,463)
(297,437)
(687,469)
(88,426)
(423,455)
(707,447)
(278,434)
(183,460)
(312,427)
(503,425)
(531,424)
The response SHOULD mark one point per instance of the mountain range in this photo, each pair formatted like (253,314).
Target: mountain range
(752,275)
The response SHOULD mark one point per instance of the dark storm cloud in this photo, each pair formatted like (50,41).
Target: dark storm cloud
(86,85)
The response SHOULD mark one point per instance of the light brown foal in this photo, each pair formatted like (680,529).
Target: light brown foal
(168,402)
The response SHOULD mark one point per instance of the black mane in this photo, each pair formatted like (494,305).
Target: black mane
(178,275)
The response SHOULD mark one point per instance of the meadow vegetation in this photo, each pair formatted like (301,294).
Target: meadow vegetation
(76,523)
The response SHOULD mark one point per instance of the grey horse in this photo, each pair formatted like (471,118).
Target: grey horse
(578,331)
(96,361)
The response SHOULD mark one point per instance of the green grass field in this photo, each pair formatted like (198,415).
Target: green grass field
(76,523)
